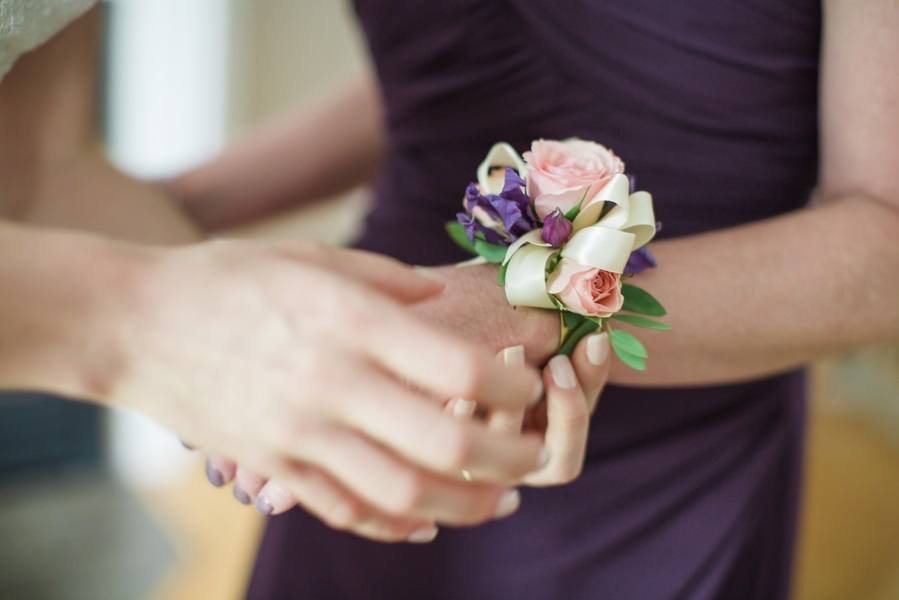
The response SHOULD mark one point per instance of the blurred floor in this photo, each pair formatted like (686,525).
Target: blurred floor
(77,535)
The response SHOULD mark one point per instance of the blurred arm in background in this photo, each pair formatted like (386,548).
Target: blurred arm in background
(314,153)
(52,165)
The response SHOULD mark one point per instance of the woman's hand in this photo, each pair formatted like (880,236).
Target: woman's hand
(562,418)
(293,358)
(572,391)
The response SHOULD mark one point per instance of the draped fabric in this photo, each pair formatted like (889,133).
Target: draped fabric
(26,24)
(686,493)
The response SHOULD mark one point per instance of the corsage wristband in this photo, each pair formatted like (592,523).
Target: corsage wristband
(567,230)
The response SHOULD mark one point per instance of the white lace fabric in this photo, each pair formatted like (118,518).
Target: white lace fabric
(26,24)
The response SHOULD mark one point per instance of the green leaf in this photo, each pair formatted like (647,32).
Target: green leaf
(635,362)
(642,322)
(492,253)
(638,300)
(501,276)
(457,234)
(626,342)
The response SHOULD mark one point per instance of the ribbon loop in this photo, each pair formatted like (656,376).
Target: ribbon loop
(491,172)
(600,247)
(526,277)
(600,241)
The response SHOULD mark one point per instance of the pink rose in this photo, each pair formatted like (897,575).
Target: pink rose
(561,173)
(586,290)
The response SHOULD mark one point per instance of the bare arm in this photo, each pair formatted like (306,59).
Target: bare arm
(317,152)
(769,296)
(52,167)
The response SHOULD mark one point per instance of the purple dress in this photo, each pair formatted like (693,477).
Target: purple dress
(688,492)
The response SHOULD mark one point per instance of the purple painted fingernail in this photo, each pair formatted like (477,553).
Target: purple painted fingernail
(214,476)
(241,496)
(263,506)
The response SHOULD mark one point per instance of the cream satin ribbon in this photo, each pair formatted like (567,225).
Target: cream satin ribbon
(603,243)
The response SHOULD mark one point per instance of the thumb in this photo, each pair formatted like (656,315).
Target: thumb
(592,365)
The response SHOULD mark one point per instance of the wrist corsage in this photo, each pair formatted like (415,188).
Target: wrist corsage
(568,231)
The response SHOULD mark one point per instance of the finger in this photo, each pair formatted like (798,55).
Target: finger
(439,362)
(387,275)
(219,470)
(274,499)
(422,433)
(509,420)
(568,422)
(337,507)
(247,485)
(592,366)
(461,408)
(396,488)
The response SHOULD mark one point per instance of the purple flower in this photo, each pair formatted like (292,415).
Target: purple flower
(639,260)
(501,219)
(556,229)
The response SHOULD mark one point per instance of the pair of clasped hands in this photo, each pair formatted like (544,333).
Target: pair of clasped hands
(361,395)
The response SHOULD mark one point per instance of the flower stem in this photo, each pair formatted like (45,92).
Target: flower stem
(574,336)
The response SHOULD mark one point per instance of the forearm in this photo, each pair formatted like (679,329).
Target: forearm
(769,296)
(743,302)
(86,192)
(60,307)
(312,154)
(52,168)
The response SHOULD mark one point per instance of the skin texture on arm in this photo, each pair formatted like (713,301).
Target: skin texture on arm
(57,334)
(318,152)
(769,296)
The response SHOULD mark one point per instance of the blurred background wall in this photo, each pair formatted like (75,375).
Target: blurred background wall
(123,511)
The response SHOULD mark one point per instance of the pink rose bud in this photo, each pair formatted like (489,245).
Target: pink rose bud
(556,229)
(561,174)
(586,290)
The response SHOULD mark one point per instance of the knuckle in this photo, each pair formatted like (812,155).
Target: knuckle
(576,418)
(343,514)
(568,473)
(456,447)
(408,494)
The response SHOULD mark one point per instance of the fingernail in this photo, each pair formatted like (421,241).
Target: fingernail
(430,274)
(538,392)
(562,372)
(543,458)
(508,503)
(513,356)
(463,408)
(598,348)
(263,506)
(241,496)
(214,476)
(423,535)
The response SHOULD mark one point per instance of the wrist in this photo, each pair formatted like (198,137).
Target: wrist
(537,330)
(64,330)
